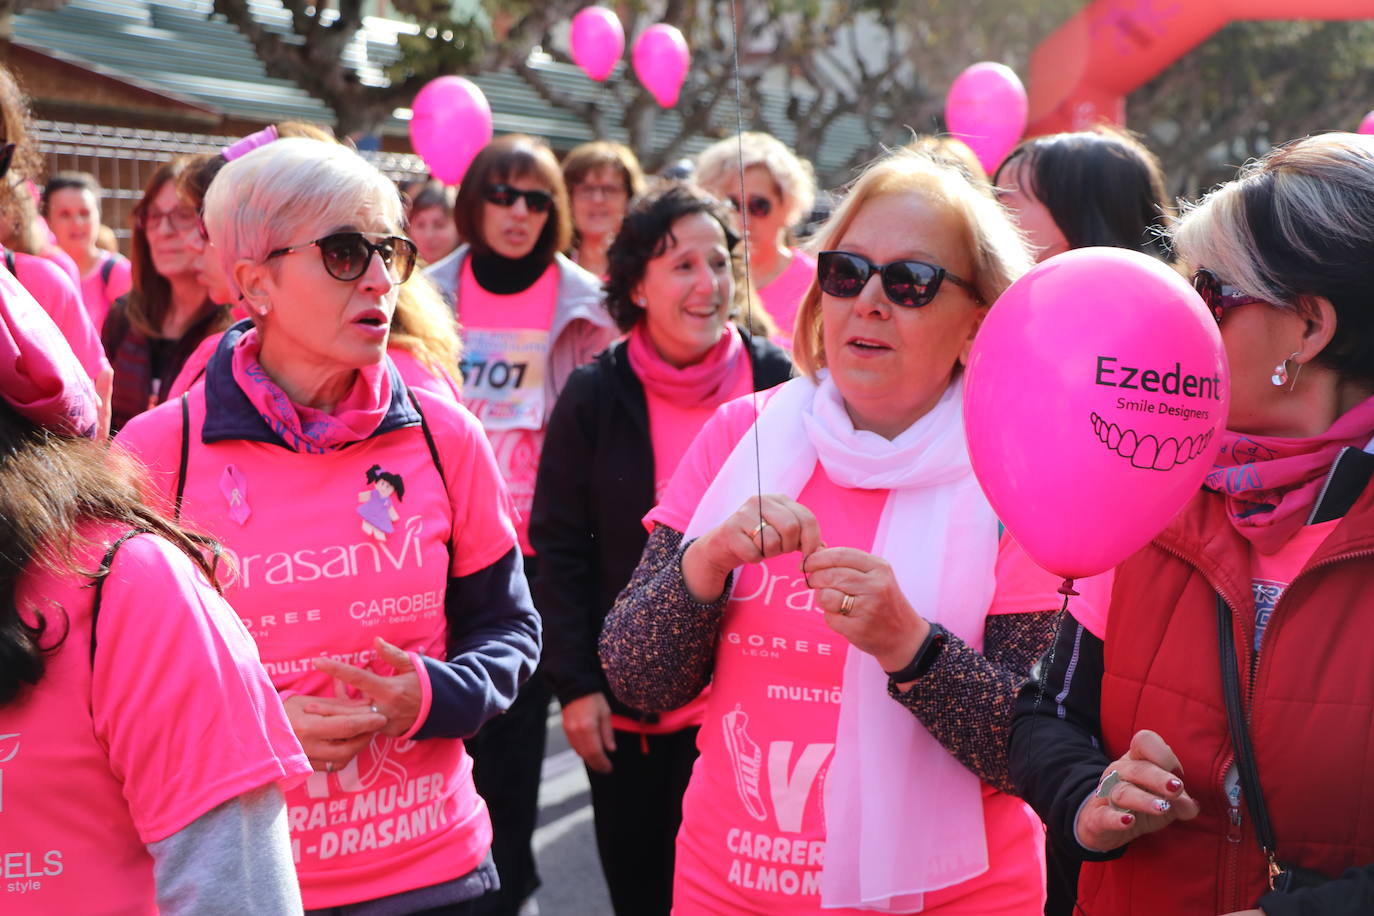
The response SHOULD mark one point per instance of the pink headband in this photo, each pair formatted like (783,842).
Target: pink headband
(249,143)
(39,375)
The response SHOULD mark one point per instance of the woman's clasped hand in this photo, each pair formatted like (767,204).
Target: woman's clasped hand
(1140,792)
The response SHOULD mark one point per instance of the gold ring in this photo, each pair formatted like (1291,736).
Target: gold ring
(847,605)
(759,528)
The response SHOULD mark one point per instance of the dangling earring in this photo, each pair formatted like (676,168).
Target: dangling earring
(1280,376)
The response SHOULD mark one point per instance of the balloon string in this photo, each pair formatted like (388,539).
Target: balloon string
(748,269)
(1046,664)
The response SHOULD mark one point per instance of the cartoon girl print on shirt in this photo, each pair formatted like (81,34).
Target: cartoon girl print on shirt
(377,510)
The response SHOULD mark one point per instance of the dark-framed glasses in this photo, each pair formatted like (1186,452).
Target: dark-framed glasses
(1220,297)
(505,195)
(181,218)
(908,283)
(347,254)
(759,206)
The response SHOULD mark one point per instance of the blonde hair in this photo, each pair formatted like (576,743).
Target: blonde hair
(426,327)
(997,250)
(721,164)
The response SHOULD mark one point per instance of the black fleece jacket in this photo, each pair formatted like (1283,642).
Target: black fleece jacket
(595,485)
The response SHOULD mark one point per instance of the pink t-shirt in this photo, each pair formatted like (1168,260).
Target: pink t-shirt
(1271,573)
(1025,588)
(97,293)
(176,718)
(46,282)
(753,829)
(506,344)
(63,261)
(671,430)
(784,294)
(323,563)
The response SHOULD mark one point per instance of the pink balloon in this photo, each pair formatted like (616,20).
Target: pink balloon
(450,123)
(1367,125)
(986,108)
(1097,391)
(661,60)
(597,40)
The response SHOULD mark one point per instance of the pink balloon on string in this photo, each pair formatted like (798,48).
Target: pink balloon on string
(661,61)
(450,123)
(597,41)
(1367,125)
(986,108)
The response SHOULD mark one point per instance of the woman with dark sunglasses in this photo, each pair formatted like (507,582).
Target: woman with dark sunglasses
(772,191)
(615,438)
(375,558)
(850,621)
(150,333)
(1274,554)
(530,316)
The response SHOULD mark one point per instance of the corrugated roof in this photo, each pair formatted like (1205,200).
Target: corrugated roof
(180,47)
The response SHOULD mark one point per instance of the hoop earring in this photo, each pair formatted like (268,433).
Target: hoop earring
(1280,376)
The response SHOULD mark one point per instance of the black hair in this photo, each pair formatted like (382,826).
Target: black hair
(1102,187)
(375,473)
(645,234)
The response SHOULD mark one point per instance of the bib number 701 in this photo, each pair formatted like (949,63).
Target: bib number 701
(495,373)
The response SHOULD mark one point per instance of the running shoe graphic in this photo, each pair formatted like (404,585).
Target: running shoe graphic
(747,758)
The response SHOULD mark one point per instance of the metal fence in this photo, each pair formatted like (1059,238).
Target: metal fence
(123,158)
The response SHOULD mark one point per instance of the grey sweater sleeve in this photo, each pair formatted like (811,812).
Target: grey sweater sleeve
(233,859)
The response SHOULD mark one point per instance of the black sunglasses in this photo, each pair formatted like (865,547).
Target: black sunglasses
(910,284)
(504,195)
(6,157)
(1219,296)
(759,207)
(347,254)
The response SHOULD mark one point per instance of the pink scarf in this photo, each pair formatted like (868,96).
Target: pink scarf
(305,429)
(708,383)
(1271,484)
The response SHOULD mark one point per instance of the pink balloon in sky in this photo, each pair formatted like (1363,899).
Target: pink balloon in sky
(661,61)
(597,41)
(986,108)
(1096,395)
(450,123)
(1367,125)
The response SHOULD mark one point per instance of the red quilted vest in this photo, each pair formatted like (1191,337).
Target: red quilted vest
(1311,702)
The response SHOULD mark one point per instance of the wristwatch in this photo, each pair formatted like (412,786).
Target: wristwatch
(925,656)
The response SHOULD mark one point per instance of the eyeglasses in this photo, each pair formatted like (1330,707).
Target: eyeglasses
(181,219)
(600,191)
(759,206)
(910,284)
(504,195)
(347,254)
(1218,296)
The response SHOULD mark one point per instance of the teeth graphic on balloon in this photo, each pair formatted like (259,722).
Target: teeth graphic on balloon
(1147,451)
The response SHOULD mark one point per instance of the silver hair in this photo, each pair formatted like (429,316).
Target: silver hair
(720,165)
(291,191)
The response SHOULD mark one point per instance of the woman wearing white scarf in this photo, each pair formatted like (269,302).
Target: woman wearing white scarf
(868,572)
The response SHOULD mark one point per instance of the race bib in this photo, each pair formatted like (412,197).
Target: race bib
(503,376)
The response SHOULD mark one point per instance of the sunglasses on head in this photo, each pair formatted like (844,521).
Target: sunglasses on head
(347,254)
(504,195)
(910,284)
(759,206)
(1218,296)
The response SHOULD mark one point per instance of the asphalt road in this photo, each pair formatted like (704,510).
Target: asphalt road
(564,844)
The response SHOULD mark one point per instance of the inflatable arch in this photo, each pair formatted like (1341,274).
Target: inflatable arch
(1082,73)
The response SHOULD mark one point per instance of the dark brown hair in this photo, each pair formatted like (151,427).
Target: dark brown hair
(1102,187)
(50,485)
(503,159)
(587,158)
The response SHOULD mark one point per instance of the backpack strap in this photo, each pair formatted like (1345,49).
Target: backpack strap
(185,453)
(434,456)
(100,577)
(106,268)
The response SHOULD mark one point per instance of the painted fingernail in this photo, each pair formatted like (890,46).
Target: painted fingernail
(1128,819)
(1161,805)
(1173,785)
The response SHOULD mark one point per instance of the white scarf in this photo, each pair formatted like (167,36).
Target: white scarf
(902,815)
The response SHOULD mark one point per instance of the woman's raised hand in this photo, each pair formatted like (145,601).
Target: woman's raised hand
(1139,793)
(396,697)
(763,527)
(863,603)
